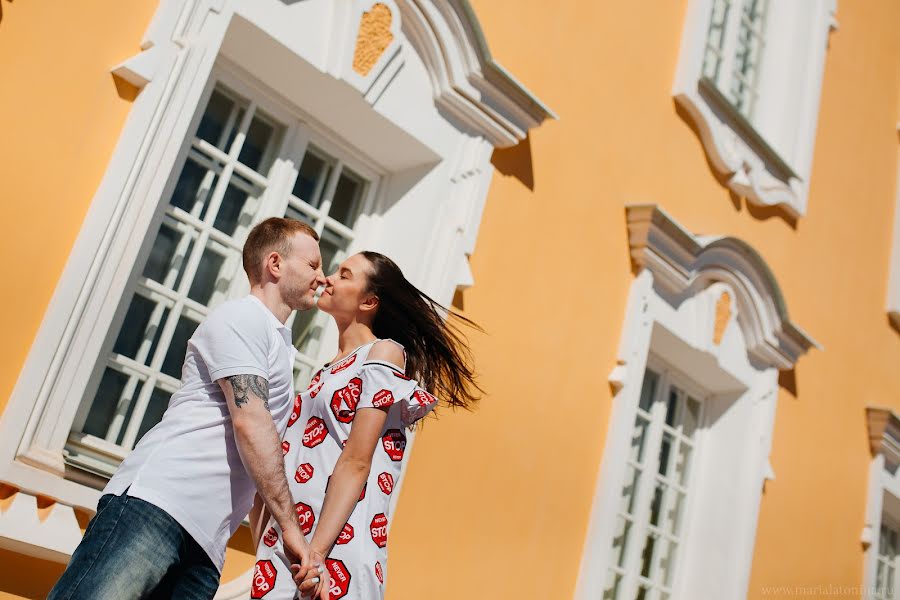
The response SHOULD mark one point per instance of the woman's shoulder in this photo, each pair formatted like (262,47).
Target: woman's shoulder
(388,351)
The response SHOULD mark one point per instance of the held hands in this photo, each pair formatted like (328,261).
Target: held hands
(313,582)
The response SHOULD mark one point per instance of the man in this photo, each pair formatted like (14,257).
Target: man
(165,518)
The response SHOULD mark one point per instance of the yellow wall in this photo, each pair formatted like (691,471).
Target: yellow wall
(495,496)
(61,116)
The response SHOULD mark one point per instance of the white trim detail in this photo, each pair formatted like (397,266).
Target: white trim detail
(682,263)
(52,536)
(768,158)
(670,321)
(883,487)
(440,115)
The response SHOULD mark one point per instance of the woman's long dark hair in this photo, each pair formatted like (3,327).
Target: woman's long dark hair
(437,354)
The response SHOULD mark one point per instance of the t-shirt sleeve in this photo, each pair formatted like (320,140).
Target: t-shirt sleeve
(234,343)
(384,385)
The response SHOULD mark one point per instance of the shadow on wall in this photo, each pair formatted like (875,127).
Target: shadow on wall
(515,162)
(760,213)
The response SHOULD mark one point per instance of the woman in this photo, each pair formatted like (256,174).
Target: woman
(344,462)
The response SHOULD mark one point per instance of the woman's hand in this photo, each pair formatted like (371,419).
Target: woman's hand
(316,581)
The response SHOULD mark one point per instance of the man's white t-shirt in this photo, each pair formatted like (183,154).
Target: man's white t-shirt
(188,465)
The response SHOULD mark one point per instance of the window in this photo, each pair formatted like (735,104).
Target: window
(750,76)
(238,159)
(886,559)
(733,50)
(649,522)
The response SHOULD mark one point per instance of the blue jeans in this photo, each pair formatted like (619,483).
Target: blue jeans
(132,549)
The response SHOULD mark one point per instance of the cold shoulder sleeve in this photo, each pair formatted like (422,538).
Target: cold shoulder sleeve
(384,385)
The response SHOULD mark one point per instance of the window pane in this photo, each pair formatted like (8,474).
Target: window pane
(611,592)
(311,179)
(620,541)
(647,555)
(656,504)
(333,248)
(159,401)
(638,439)
(111,397)
(169,255)
(666,561)
(293,213)
(672,406)
(346,201)
(216,118)
(141,329)
(629,490)
(648,390)
(665,454)
(178,347)
(195,184)
(239,204)
(214,273)
(259,135)
(682,463)
(691,417)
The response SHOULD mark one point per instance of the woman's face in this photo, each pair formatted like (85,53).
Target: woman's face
(345,293)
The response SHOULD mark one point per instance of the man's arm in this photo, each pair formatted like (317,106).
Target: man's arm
(258,443)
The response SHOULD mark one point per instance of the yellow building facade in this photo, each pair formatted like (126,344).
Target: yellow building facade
(681,239)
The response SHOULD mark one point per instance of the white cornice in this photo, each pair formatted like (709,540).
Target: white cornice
(681,261)
(884,433)
(468,84)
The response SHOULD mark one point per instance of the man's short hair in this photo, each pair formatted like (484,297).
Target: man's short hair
(272,235)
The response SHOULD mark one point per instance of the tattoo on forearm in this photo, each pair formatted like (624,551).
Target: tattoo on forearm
(244,385)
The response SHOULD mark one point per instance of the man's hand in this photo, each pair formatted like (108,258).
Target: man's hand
(314,582)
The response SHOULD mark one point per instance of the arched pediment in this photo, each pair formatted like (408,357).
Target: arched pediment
(469,84)
(683,264)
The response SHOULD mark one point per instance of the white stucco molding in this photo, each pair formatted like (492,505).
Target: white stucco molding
(468,83)
(768,160)
(884,433)
(681,261)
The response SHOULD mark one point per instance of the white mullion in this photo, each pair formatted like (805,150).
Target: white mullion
(729,45)
(338,228)
(125,398)
(137,415)
(215,202)
(232,117)
(644,492)
(328,195)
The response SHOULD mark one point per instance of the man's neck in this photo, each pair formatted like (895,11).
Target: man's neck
(269,296)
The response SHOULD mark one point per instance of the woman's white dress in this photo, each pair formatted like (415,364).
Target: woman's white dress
(317,429)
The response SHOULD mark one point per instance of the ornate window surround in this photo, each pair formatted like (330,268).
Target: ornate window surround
(677,313)
(442,115)
(769,160)
(884,485)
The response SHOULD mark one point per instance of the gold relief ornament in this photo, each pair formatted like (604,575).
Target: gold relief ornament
(723,315)
(373,38)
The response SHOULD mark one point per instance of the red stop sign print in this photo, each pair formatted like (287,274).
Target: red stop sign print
(304,473)
(285,447)
(343,364)
(295,412)
(378,529)
(382,398)
(340,578)
(378,572)
(400,376)
(344,400)
(345,535)
(315,380)
(263,578)
(424,398)
(315,433)
(386,482)
(394,443)
(270,537)
(305,516)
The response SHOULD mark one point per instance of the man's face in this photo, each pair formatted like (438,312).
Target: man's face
(302,272)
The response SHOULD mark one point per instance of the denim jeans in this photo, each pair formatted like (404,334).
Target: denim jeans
(132,549)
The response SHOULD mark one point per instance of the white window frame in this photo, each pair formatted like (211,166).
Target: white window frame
(439,164)
(95,455)
(671,316)
(766,158)
(883,496)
